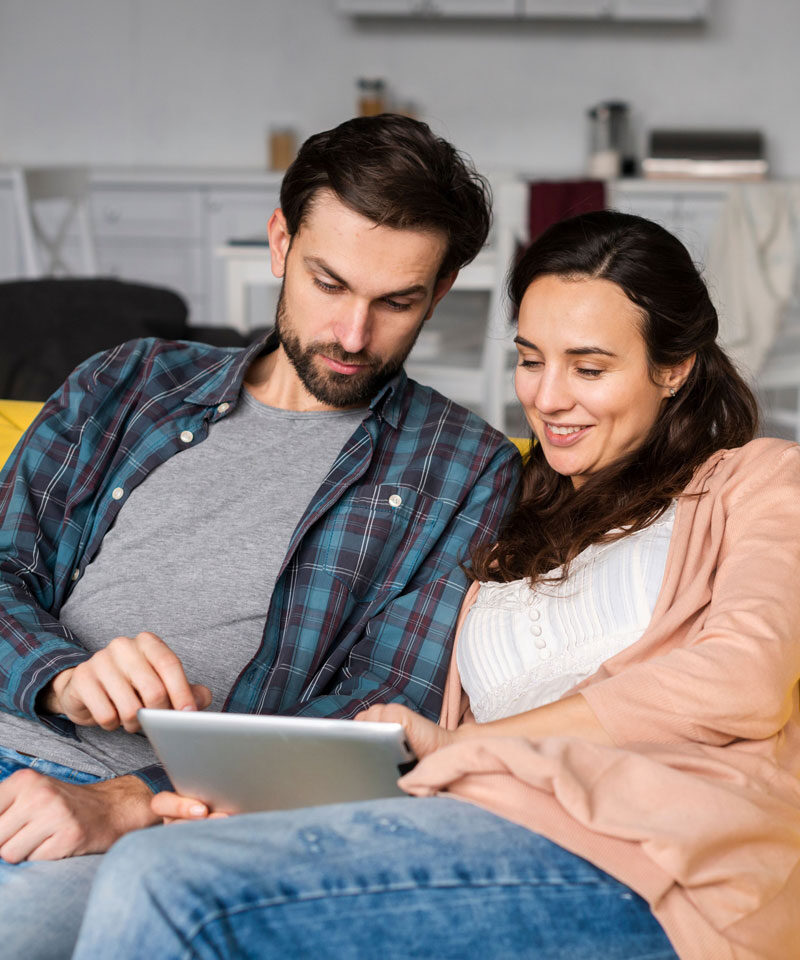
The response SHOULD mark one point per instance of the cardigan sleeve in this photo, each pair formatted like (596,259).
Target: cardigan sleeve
(737,677)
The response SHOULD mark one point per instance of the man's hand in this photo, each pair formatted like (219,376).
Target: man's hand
(46,819)
(173,808)
(131,672)
(423,735)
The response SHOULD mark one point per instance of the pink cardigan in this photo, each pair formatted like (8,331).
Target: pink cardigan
(697,806)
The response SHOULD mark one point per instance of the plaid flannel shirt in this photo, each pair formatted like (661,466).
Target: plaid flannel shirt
(366,600)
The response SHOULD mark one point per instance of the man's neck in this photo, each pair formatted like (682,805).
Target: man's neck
(273,381)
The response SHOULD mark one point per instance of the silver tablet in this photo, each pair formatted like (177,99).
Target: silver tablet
(240,763)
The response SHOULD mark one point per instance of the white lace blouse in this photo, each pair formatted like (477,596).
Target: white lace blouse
(521,648)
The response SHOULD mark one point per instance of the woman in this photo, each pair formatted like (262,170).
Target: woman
(629,650)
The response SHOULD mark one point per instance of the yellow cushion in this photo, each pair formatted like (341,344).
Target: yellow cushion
(522,444)
(15,417)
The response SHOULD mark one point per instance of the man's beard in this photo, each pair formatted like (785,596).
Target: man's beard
(329,387)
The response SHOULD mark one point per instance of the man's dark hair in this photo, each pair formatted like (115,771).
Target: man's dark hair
(395,172)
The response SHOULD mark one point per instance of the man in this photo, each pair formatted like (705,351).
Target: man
(301,553)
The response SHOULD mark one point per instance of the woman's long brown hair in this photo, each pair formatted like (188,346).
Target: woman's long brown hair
(715,409)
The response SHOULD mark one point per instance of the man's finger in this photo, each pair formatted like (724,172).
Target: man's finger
(169,669)
(86,694)
(172,806)
(26,840)
(202,695)
(121,692)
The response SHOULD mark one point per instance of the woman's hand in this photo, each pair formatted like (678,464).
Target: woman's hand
(423,735)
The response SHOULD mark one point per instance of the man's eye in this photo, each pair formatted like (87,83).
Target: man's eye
(396,304)
(327,287)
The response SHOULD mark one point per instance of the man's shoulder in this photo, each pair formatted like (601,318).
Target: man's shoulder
(150,361)
(426,412)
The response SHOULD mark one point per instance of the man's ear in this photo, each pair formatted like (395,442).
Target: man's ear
(440,288)
(279,242)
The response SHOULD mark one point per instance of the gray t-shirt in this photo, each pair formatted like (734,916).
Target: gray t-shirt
(193,557)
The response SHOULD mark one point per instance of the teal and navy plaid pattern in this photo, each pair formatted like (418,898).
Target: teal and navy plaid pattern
(366,601)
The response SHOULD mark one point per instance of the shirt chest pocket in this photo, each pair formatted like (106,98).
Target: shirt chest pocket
(378,537)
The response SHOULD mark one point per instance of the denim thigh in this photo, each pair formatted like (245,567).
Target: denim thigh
(397,878)
(43,901)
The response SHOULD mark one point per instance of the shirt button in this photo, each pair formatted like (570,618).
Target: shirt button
(223,408)
(187,436)
(75,574)
(117,493)
(395,500)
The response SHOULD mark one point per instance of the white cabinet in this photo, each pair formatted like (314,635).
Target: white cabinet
(163,228)
(129,210)
(153,234)
(690,210)
(232,214)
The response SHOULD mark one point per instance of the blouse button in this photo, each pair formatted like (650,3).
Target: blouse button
(536,631)
(117,493)
(395,500)
(187,436)
(540,643)
(534,614)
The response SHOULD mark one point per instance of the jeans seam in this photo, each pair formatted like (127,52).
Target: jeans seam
(282,900)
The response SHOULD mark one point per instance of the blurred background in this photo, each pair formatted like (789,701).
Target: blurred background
(180,114)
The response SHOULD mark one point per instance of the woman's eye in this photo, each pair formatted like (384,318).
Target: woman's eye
(589,372)
(327,287)
(529,364)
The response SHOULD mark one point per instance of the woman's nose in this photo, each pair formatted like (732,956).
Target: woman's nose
(553,393)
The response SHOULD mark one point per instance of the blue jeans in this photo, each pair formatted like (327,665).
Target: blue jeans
(386,879)
(42,902)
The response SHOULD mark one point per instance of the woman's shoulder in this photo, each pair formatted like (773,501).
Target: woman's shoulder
(754,462)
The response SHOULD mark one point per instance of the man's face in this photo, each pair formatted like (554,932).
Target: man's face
(354,298)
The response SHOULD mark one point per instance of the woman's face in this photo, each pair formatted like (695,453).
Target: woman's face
(582,376)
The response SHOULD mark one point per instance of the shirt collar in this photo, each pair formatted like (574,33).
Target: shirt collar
(225,385)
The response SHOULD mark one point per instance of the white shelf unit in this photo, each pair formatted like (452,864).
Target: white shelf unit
(667,11)
(483,381)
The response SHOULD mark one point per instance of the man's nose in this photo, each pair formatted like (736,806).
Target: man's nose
(352,329)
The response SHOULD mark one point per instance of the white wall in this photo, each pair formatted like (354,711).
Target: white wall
(197,82)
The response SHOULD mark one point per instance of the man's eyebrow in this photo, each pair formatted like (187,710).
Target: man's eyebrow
(317,264)
(572,351)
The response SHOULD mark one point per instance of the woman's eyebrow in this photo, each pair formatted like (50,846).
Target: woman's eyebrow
(572,351)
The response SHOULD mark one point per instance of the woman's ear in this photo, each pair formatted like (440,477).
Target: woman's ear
(673,378)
